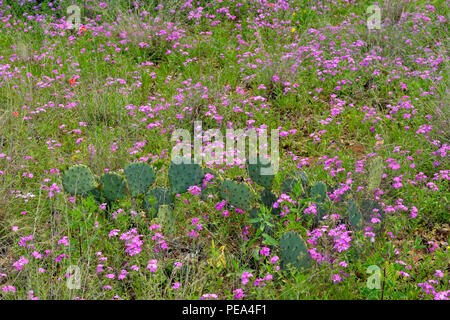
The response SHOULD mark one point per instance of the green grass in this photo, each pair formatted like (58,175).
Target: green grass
(221,65)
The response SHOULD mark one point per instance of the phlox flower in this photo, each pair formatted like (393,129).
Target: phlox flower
(31,295)
(176,285)
(336,278)
(208,296)
(9,288)
(439,274)
(113,233)
(152,265)
(123,274)
(264,251)
(239,293)
(414,212)
(195,190)
(19,264)
(64,240)
(274,259)
(245,277)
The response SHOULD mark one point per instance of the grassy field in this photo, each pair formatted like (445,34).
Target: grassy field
(362,114)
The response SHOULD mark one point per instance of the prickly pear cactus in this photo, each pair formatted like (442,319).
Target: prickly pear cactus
(354,215)
(78,179)
(112,186)
(294,251)
(236,194)
(268,199)
(375,173)
(319,192)
(261,173)
(167,218)
(183,173)
(140,176)
(156,197)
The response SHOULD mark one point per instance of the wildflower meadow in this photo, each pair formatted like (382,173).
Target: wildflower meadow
(224,150)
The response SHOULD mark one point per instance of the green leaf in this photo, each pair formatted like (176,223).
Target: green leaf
(269,240)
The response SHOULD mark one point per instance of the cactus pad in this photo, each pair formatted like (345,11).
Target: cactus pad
(319,192)
(260,173)
(112,186)
(183,173)
(294,251)
(78,179)
(140,176)
(156,197)
(236,194)
(354,215)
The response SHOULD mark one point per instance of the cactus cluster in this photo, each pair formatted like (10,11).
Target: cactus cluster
(294,251)
(158,202)
(136,181)
(112,186)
